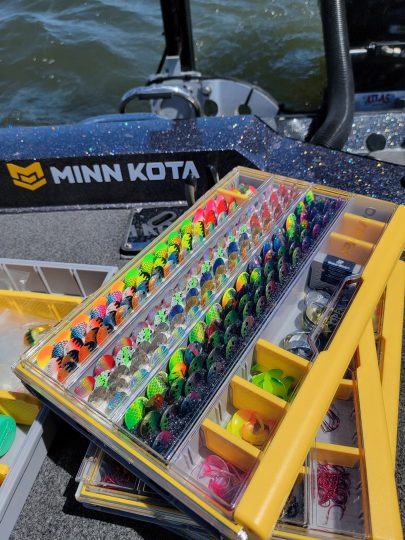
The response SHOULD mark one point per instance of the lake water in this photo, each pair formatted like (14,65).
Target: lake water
(62,61)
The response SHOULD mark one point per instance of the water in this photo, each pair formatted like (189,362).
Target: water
(62,61)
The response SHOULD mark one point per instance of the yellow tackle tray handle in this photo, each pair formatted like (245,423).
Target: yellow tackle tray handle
(378,462)
(267,492)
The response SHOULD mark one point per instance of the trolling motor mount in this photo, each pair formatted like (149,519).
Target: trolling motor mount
(178,91)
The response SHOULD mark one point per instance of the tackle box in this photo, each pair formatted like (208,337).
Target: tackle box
(255,299)
(53,277)
(31,293)
(105,485)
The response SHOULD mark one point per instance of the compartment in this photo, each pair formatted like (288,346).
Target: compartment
(372,209)
(245,395)
(246,182)
(59,280)
(24,277)
(217,463)
(295,511)
(349,249)
(247,412)
(89,280)
(228,446)
(126,495)
(264,409)
(214,440)
(361,228)
(305,328)
(52,277)
(339,424)
(282,369)
(317,301)
(111,475)
(337,501)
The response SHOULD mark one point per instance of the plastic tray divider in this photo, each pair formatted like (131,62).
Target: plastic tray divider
(10,277)
(39,271)
(366,229)
(228,446)
(227,193)
(245,395)
(78,281)
(338,454)
(349,248)
(272,356)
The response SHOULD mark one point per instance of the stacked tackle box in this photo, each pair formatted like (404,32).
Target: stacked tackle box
(255,301)
(32,293)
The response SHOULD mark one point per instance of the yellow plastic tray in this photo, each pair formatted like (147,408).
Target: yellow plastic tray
(21,406)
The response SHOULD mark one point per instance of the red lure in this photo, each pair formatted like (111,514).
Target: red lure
(225,478)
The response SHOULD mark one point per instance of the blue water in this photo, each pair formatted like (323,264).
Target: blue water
(62,61)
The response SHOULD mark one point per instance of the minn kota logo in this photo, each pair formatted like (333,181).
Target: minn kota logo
(30,177)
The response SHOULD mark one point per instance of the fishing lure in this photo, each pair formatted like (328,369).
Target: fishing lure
(114,474)
(158,385)
(186,227)
(273,381)
(85,387)
(249,426)
(197,333)
(114,297)
(98,312)
(162,441)
(177,372)
(225,480)
(161,250)
(35,333)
